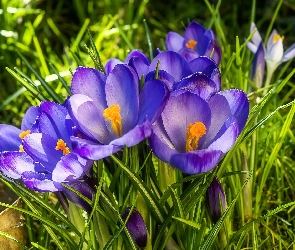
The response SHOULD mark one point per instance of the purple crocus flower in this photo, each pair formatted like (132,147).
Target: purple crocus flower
(136,227)
(111,112)
(196,41)
(198,126)
(136,59)
(214,197)
(41,156)
(274,54)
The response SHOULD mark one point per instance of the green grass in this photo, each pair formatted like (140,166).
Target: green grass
(40,47)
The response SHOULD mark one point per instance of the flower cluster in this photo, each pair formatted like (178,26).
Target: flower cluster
(174,101)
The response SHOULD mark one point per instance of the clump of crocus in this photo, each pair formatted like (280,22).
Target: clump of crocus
(40,153)
(196,41)
(198,125)
(111,111)
(273,54)
(214,198)
(136,227)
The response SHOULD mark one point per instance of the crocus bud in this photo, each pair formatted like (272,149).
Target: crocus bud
(136,227)
(214,197)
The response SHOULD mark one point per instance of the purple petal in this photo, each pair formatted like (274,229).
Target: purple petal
(215,195)
(40,182)
(68,169)
(203,64)
(90,82)
(91,150)
(110,65)
(182,109)
(139,66)
(174,41)
(9,138)
(136,227)
(258,66)
(196,162)
(152,100)
(88,118)
(163,76)
(173,64)
(41,147)
(137,54)
(13,164)
(194,31)
(199,84)
(122,89)
(30,118)
(134,136)
(239,105)
(188,54)
(214,47)
(252,47)
(275,52)
(256,38)
(289,53)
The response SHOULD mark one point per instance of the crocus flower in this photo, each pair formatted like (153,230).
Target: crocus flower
(111,112)
(43,158)
(274,53)
(196,41)
(195,130)
(214,198)
(136,227)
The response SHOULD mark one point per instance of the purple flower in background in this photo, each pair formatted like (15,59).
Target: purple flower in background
(214,198)
(274,53)
(198,126)
(196,41)
(136,227)
(111,111)
(43,158)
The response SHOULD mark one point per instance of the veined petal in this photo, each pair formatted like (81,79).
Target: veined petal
(30,118)
(174,41)
(88,118)
(122,90)
(90,82)
(138,54)
(134,136)
(9,138)
(188,54)
(13,164)
(40,182)
(213,47)
(139,66)
(289,53)
(194,31)
(196,162)
(91,150)
(110,65)
(41,147)
(68,169)
(182,109)
(163,76)
(173,64)
(152,105)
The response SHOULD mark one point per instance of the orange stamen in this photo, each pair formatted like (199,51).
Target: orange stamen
(194,133)
(24,133)
(277,37)
(21,148)
(191,44)
(61,145)
(112,114)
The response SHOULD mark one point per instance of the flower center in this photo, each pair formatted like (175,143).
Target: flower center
(194,133)
(112,114)
(24,133)
(277,37)
(21,148)
(191,44)
(61,145)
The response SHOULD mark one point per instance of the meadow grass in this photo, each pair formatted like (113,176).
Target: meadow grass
(41,45)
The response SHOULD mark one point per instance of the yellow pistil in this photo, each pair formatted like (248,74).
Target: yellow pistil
(277,37)
(112,114)
(24,133)
(61,145)
(191,44)
(194,133)
(21,148)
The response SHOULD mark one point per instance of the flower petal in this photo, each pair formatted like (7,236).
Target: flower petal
(188,54)
(152,105)
(258,66)
(122,89)
(196,162)
(138,54)
(174,41)
(182,109)
(30,118)
(214,47)
(139,66)
(275,52)
(9,138)
(40,182)
(110,65)
(256,38)
(173,64)
(13,164)
(289,53)
(162,76)
(90,82)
